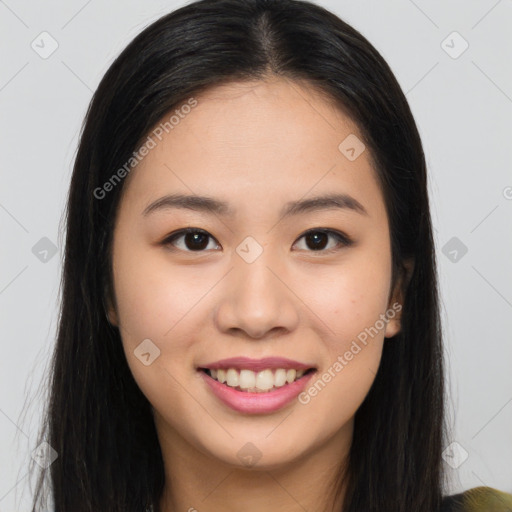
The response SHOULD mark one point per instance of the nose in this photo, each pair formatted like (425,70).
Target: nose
(257,300)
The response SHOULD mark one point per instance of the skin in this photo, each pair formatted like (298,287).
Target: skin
(292,301)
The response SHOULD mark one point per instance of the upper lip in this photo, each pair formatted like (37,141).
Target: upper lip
(257,365)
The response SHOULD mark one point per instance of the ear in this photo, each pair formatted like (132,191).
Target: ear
(110,309)
(395,306)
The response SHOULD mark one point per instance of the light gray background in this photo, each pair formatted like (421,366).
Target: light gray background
(463,109)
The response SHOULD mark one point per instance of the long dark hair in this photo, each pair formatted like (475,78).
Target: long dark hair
(97,419)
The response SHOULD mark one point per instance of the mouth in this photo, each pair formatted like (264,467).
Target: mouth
(256,386)
(262,381)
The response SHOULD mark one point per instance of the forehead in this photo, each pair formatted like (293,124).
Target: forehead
(270,141)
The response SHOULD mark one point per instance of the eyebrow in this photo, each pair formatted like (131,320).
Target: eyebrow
(292,208)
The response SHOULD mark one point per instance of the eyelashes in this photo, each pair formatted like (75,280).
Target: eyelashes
(197,240)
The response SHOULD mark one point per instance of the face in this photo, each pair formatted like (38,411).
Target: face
(295,292)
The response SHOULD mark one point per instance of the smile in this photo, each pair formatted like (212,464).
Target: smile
(256,386)
(256,382)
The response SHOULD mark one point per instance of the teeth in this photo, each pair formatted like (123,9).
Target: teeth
(232,378)
(247,380)
(264,380)
(280,378)
(221,376)
(290,375)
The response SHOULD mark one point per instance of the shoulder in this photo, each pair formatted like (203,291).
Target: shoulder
(478,499)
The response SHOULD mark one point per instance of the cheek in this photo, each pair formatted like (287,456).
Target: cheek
(152,295)
(335,394)
(154,302)
(347,298)
(349,301)
(156,299)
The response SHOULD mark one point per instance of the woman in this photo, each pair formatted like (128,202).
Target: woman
(250,316)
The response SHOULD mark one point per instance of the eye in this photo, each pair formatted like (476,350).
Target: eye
(317,239)
(196,240)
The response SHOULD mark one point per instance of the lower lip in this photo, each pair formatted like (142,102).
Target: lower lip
(257,403)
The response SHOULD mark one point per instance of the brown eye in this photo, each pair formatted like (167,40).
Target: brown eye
(318,239)
(194,240)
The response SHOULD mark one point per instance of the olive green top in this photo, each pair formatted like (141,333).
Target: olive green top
(478,499)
